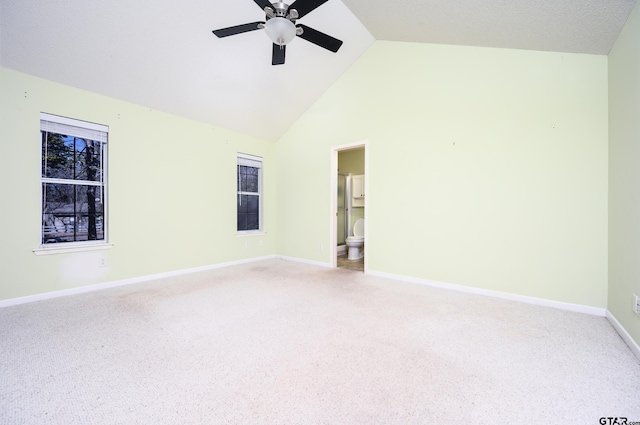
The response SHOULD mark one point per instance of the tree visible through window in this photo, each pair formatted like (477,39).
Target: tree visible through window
(249,191)
(73,180)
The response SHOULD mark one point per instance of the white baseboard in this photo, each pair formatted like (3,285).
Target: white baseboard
(579,308)
(115,283)
(496,294)
(635,348)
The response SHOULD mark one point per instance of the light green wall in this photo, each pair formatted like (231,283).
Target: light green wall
(624,175)
(171,190)
(487,168)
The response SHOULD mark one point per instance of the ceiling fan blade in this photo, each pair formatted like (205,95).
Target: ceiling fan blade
(238,29)
(277,57)
(263,3)
(305,6)
(319,38)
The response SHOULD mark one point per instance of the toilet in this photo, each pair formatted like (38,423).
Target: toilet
(356,242)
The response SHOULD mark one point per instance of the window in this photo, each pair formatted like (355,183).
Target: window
(249,193)
(73,180)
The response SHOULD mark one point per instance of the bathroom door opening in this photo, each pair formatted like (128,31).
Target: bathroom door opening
(344,215)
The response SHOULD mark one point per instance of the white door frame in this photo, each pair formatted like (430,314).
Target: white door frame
(333,187)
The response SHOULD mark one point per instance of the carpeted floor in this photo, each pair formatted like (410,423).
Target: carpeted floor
(279,342)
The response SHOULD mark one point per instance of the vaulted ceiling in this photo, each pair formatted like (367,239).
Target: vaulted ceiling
(161,54)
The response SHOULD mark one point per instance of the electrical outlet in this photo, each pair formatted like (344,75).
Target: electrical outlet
(321,247)
(636,304)
(102,262)
(261,242)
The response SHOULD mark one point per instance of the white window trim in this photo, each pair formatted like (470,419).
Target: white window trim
(247,233)
(72,247)
(93,131)
(257,162)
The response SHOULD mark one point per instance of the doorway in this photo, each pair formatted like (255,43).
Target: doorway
(343,214)
(349,165)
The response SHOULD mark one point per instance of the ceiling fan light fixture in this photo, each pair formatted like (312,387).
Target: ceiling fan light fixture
(280,30)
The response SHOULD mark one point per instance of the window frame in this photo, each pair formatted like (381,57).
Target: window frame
(243,159)
(83,130)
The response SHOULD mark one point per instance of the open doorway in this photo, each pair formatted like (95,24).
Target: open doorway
(348,206)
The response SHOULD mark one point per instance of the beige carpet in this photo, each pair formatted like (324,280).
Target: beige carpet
(280,342)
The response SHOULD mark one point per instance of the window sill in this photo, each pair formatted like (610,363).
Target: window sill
(46,250)
(244,233)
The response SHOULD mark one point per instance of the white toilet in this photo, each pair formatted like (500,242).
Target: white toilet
(356,242)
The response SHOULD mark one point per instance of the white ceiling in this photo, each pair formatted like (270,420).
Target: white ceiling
(161,54)
(571,26)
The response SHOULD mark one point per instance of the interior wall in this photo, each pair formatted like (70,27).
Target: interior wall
(493,160)
(351,161)
(171,183)
(624,175)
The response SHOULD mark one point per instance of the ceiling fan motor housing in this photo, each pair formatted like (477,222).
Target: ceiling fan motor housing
(281,10)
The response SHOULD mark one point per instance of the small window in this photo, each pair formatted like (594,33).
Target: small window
(73,180)
(249,202)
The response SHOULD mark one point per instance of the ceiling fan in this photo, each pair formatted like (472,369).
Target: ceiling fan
(280,25)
